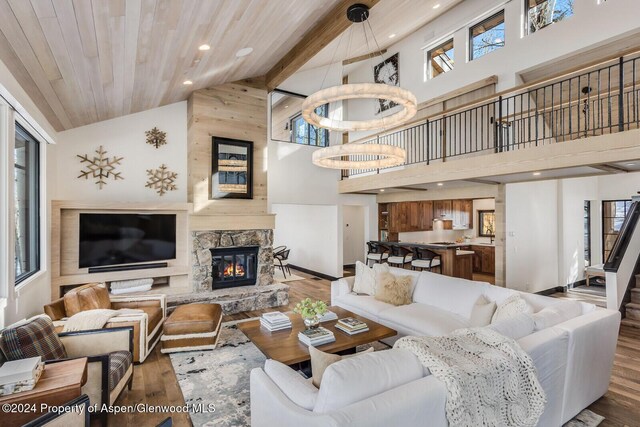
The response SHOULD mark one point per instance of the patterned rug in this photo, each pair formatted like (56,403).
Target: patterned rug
(221,377)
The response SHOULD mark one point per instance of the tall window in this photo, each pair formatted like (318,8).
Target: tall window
(541,13)
(587,233)
(304,133)
(26,202)
(613,214)
(486,36)
(440,59)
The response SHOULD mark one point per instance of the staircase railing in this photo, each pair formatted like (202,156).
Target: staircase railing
(593,102)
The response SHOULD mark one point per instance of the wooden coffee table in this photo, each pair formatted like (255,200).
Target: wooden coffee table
(284,346)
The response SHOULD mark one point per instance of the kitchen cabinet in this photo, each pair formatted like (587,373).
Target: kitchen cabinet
(425,212)
(442,209)
(484,259)
(462,212)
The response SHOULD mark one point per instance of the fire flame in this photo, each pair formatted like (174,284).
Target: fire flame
(228,270)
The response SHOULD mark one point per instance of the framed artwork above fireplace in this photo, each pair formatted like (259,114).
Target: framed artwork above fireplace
(231,169)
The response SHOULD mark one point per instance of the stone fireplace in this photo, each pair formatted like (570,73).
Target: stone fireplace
(217,258)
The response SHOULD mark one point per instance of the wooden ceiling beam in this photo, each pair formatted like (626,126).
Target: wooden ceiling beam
(317,38)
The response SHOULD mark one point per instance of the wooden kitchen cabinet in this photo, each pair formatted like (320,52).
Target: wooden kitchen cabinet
(484,259)
(442,209)
(462,212)
(425,211)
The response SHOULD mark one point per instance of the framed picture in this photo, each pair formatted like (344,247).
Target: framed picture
(387,72)
(487,221)
(231,169)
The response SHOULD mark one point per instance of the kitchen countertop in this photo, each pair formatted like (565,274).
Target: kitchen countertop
(436,245)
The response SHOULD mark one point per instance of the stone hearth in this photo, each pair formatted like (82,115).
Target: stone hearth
(264,294)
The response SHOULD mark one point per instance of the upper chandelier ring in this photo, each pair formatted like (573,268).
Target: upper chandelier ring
(400,96)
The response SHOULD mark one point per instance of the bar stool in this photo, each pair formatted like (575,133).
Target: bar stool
(424,259)
(376,252)
(400,256)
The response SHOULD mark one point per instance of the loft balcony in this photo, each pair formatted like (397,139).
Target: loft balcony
(581,123)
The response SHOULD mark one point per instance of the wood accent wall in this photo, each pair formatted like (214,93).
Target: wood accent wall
(235,110)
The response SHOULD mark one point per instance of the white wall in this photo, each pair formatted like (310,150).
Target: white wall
(613,19)
(531,245)
(125,137)
(296,185)
(353,230)
(312,234)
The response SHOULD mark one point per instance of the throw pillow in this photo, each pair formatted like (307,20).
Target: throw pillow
(365,281)
(298,389)
(320,361)
(482,312)
(31,338)
(515,327)
(394,290)
(510,307)
(556,314)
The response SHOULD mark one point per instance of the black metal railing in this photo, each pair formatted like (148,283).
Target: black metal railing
(593,102)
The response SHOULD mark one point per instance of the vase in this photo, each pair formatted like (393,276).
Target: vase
(311,323)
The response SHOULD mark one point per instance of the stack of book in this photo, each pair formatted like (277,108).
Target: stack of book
(351,325)
(316,336)
(275,321)
(20,375)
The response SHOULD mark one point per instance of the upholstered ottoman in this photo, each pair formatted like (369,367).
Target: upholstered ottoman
(192,327)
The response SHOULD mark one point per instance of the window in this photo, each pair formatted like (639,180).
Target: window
(304,133)
(486,36)
(541,13)
(587,233)
(26,204)
(613,214)
(440,59)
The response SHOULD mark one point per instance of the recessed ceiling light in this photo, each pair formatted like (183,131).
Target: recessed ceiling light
(204,47)
(437,5)
(440,184)
(537,173)
(187,82)
(631,164)
(392,35)
(382,190)
(286,106)
(244,52)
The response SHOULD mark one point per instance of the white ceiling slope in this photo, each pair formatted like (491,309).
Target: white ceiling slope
(83,61)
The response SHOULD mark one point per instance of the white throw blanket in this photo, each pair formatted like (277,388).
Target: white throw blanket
(490,380)
(95,319)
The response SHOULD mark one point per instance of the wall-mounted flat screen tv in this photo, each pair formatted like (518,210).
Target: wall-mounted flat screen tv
(116,239)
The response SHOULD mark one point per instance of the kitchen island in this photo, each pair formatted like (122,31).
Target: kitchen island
(454,263)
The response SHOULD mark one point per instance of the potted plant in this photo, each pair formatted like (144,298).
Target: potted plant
(311,311)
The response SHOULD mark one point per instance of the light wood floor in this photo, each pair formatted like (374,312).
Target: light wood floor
(155,382)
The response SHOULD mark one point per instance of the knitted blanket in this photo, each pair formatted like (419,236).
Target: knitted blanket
(490,380)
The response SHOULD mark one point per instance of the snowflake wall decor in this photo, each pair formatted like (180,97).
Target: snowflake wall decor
(100,167)
(156,137)
(161,180)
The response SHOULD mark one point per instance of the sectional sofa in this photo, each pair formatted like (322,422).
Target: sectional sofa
(572,345)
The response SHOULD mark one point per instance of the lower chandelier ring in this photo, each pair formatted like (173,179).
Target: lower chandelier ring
(332,156)
(400,96)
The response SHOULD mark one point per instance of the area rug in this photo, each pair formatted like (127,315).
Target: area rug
(279,277)
(221,377)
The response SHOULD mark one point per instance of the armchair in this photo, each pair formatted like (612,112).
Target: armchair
(147,326)
(109,354)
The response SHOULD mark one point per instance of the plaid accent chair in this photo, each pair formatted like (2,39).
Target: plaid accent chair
(109,353)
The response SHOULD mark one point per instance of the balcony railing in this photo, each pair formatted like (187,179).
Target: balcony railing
(596,101)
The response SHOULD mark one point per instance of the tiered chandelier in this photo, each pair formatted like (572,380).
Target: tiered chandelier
(376,155)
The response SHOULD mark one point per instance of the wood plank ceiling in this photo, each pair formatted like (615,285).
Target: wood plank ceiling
(83,61)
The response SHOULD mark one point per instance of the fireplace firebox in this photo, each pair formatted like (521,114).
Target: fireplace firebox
(234,266)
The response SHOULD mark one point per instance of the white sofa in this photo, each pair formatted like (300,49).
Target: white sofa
(573,359)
